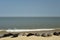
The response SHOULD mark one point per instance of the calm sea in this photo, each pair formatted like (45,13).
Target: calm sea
(29,22)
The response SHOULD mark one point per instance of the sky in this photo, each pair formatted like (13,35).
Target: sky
(29,8)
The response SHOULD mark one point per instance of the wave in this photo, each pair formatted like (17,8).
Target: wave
(27,30)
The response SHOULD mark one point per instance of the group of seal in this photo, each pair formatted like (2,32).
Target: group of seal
(45,34)
(31,34)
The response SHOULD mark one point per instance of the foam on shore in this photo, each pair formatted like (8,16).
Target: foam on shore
(27,30)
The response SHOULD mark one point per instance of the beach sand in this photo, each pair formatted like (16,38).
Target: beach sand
(32,38)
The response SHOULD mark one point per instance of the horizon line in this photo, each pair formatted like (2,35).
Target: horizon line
(30,16)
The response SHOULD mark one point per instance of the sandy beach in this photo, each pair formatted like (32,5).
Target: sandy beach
(32,38)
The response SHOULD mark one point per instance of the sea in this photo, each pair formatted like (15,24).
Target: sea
(29,22)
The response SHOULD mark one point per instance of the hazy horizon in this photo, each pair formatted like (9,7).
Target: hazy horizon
(30,16)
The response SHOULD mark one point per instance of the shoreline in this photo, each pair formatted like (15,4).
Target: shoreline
(22,31)
(26,30)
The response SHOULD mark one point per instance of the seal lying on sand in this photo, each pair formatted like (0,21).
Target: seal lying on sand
(9,34)
(30,34)
(6,35)
(15,35)
(59,33)
(46,34)
(56,33)
(36,34)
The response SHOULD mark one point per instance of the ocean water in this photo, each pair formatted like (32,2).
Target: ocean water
(29,22)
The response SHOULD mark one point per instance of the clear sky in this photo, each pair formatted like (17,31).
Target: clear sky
(29,8)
